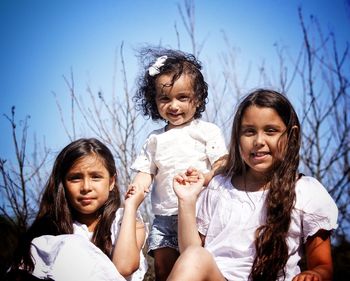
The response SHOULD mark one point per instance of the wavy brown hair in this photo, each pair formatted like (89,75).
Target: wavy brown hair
(176,64)
(270,243)
(56,216)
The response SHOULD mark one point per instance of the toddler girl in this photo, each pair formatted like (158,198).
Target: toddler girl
(173,89)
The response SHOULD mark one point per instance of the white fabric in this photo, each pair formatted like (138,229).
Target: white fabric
(72,257)
(229,217)
(195,144)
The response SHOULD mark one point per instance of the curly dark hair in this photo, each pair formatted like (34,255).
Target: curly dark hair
(270,243)
(177,63)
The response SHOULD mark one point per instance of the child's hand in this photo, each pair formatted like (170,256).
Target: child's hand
(146,189)
(134,196)
(188,187)
(308,275)
(192,175)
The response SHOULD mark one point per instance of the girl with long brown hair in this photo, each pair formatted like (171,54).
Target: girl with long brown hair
(258,215)
(80,205)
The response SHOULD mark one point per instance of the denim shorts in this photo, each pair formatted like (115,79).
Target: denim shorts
(163,233)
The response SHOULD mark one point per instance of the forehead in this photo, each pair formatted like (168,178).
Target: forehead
(254,115)
(165,83)
(89,162)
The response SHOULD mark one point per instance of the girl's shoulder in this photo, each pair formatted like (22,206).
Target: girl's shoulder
(220,183)
(205,126)
(156,132)
(312,196)
(315,206)
(217,193)
(218,187)
(119,217)
(307,186)
(151,138)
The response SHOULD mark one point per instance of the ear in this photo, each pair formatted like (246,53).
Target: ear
(295,127)
(112,182)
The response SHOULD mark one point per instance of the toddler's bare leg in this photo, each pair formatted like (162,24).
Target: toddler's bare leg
(164,260)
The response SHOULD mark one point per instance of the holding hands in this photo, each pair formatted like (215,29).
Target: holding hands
(188,185)
(134,196)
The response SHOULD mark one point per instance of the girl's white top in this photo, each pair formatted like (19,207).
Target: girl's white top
(195,144)
(229,217)
(72,257)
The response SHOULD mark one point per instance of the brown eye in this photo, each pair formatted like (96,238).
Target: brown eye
(163,98)
(248,132)
(271,131)
(74,178)
(184,98)
(96,177)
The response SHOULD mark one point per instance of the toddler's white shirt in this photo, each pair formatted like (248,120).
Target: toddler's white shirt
(195,144)
(229,217)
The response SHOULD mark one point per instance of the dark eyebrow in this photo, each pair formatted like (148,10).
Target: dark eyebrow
(187,93)
(94,173)
(161,94)
(246,126)
(71,175)
(273,126)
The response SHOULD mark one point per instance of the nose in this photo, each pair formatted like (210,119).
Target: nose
(86,185)
(173,106)
(259,139)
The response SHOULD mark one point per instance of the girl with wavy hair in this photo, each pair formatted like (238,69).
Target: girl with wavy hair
(257,216)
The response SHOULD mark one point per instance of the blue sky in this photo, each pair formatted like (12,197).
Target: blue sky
(43,40)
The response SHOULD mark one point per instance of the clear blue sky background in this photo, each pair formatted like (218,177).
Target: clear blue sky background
(42,40)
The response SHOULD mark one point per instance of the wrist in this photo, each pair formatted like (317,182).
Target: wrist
(130,206)
(187,203)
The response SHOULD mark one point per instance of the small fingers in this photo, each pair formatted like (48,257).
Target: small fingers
(180,178)
(191,171)
(132,189)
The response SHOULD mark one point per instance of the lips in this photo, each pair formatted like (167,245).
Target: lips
(260,154)
(86,200)
(174,114)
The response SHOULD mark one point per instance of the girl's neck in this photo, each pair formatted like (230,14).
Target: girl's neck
(90,220)
(169,126)
(251,183)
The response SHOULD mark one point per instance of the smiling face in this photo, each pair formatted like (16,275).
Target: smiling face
(261,137)
(176,101)
(87,186)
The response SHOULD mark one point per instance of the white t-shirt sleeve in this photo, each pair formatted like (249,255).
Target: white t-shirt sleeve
(118,221)
(318,209)
(213,138)
(140,273)
(215,145)
(205,206)
(144,162)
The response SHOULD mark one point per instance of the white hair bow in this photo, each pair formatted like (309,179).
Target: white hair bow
(154,68)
